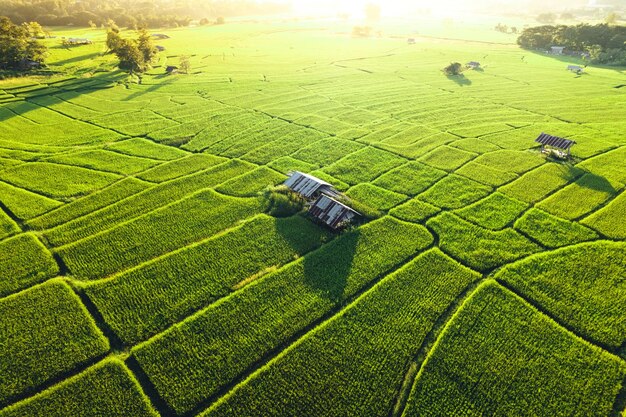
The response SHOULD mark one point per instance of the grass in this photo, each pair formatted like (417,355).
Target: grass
(454,192)
(25,262)
(197,275)
(149,193)
(410,179)
(68,181)
(496,342)
(317,283)
(582,291)
(47,332)
(109,388)
(156,233)
(552,231)
(495,212)
(362,364)
(479,248)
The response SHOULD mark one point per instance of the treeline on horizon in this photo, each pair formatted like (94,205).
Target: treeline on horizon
(131,13)
(605,44)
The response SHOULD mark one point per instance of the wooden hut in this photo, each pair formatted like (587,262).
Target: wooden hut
(308,186)
(575,68)
(560,144)
(473,65)
(331,212)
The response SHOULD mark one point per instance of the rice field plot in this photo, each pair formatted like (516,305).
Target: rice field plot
(609,220)
(411,178)
(193,277)
(156,233)
(551,231)
(108,387)
(374,197)
(494,212)
(587,292)
(500,356)
(24,262)
(535,185)
(447,158)
(45,331)
(479,248)
(318,283)
(485,174)
(252,183)
(474,145)
(609,165)
(135,123)
(371,342)
(220,128)
(326,151)
(421,147)
(454,192)
(508,160)
(240,144)
(270,152)
(181,167)
(8,227)
(142,203)
(364,165)
(287,164)
(85,205)
(101,160)
(145,148)
(69,181)
(414,210)
(25,204)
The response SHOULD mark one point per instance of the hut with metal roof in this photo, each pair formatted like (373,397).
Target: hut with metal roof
(308,186)
(473,65)
(560,144)
(331,212)
(575,68)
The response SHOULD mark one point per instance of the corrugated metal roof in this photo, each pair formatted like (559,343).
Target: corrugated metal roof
(305,184)
(554,141)
(331,211)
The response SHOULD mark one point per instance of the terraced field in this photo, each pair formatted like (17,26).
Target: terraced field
(141,273)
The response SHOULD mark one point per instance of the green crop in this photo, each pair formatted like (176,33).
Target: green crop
(363,352)
(181,167)
(551,231)
(454,191)
(500,356)
(494,212)
(45,331)
(106,389)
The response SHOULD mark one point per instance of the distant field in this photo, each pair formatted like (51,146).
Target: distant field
(141,274)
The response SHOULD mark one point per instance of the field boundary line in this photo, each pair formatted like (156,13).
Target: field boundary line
(431,338)
(158,209)
(561,323)
(295,339)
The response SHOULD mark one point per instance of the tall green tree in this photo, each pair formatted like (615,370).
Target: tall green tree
(145,45)
(17,46)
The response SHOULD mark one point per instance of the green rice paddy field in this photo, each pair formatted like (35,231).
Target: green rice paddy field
(140,274)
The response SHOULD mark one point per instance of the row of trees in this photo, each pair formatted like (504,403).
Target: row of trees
(18,46)
(606,44)
(130,13)
(135,55)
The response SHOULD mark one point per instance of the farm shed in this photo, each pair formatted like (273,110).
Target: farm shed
(171,69)
(411,41)
(473,65)
(575,68)
(331,212)
(160,36)
(308,186)
(555,142)
(160,48)
(557,50)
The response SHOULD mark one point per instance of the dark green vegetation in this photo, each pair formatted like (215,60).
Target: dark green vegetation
(18,48)
(605,43)
(152,264)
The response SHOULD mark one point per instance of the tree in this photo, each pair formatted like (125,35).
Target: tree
(17,46)
(184,65)
(455,68)
(131,58)
(219,20)
(34,29)
(146,47)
